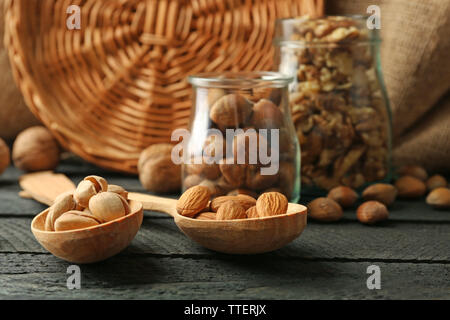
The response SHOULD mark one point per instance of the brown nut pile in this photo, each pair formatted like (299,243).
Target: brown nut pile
(195,203)
(4,156)
(92,203)
(249,110)
(35,149)
(338,106)
(157,172)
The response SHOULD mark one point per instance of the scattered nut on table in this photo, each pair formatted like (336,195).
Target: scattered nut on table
(325,209)
(371,212)
(35,149)
(410,187)
(439,198)
(382,192)
(343,195)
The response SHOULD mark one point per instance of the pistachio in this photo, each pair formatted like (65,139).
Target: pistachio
(63,203)
(84,192)
(100,183)
(108,206)
(73,220)
(119,190)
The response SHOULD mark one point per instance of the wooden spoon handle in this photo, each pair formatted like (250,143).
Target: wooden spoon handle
(155,203)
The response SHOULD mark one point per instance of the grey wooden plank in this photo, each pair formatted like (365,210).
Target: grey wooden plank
(349,241)
(43,276)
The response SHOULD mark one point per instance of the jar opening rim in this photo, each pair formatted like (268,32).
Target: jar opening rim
(240,79)
(374,38)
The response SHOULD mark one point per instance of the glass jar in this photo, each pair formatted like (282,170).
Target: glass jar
(338,100)
(241,135)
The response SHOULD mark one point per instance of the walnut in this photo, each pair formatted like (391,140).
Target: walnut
(157,172)
(35,149)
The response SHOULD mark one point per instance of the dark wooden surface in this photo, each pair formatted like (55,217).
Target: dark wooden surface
(329,261)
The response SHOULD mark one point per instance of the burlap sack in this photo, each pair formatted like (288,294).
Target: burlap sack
(14,114)
(415,59)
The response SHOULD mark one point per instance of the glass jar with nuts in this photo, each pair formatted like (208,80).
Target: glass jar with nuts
(241,138)
(338,100)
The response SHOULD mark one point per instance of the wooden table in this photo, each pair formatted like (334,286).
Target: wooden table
(329,261)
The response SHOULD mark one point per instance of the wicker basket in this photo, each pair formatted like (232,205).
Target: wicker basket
(119,84)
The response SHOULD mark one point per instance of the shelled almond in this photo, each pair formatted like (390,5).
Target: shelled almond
(194,203)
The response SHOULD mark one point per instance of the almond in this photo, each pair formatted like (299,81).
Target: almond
(243,200)
(206,216)
(372,211)
(247,192)
(252,212)
(271,204)
(436,181)
(382,192)
(410,187)
(325,209)
(193,201)
(414,171)
(439,198)
(343,195)
(231,210)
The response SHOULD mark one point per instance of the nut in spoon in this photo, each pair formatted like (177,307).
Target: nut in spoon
(242,236)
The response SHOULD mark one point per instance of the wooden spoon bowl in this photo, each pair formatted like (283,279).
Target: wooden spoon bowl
(242,236)
(91,244)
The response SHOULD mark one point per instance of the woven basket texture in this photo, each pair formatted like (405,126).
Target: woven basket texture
(118,85)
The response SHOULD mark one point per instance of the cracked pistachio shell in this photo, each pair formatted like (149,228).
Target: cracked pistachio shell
(63,203)
(84,192)
(73,220)
(100,183)
(119,190)
(108,206)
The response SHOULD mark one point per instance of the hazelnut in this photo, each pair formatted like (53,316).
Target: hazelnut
(372,211)
(208,171)
(4,156)
(436,181)
(157,172)
(410,187)
(343,195)
(382,192)
(439,198)
(267,115)
(414,171)
(231,111)
(325,209)
(35,149)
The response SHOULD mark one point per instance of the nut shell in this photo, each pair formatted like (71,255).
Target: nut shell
(436,181)
(35,149)
(157,172)
(63,203)
(73,220)
(119,190)
(193,201)
(371,212)
(382,192)
(271,204)
(4,156)
(325,209)
(231,210)
(231,111)
(410,187)
(108,206)
(100,183)
(345,196)
(439,198)
(84,192)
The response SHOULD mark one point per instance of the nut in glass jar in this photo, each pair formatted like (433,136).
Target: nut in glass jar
(338,100)
(241,135)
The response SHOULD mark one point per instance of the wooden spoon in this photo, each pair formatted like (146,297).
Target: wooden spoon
(243,236)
